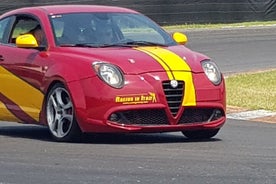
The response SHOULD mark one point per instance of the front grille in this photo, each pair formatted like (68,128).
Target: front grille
(147,117)
(200,115)
(174,96)
(140,117)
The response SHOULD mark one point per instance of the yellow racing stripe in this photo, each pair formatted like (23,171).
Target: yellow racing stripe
(25,96)
(176,69)
(162,63)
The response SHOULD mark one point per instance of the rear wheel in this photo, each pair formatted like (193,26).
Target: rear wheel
(60,114)
(201,134)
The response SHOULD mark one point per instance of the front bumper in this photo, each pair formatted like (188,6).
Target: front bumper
(102,109)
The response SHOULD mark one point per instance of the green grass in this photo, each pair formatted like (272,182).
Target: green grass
(252,91)
(218,26)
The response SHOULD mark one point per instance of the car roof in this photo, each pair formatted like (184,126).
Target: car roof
(61,9)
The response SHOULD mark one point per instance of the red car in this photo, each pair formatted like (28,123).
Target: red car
(82,68)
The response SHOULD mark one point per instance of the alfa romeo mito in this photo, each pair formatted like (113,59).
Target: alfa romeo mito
(102,69)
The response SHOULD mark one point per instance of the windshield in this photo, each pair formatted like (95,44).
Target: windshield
(107,29)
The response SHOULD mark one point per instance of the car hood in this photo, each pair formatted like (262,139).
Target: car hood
(135,60)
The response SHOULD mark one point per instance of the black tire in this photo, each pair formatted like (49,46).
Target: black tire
(60,115)
(201,134)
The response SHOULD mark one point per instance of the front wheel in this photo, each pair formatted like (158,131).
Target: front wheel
(60,114)
(201,134)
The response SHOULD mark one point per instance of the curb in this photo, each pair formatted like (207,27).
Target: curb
(252,115)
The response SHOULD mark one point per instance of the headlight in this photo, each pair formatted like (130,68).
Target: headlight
(109,73)
(212,71)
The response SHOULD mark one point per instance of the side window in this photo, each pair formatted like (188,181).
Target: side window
(3,28)
(27,25)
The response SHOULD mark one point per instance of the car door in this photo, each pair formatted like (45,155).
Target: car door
(21,74)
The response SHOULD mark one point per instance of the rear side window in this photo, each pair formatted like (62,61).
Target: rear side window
(3,27)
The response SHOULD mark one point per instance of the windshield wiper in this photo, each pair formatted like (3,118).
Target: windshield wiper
(118,44)
(143,43)
(131,44)
(115,45)
(79,45)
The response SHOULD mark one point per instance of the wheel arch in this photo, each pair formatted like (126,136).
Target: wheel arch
(71,78)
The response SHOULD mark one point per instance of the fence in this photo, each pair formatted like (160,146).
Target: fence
(169,12)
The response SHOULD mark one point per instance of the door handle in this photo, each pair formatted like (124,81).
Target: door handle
(1,58)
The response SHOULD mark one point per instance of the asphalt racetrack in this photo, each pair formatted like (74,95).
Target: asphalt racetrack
(243,152)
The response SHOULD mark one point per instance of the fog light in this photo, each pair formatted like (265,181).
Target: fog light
(114,117)
(217,113)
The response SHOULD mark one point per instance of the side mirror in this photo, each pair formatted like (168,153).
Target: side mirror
(180,38)
(26,41)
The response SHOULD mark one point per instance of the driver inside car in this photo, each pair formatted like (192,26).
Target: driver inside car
(39,35)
